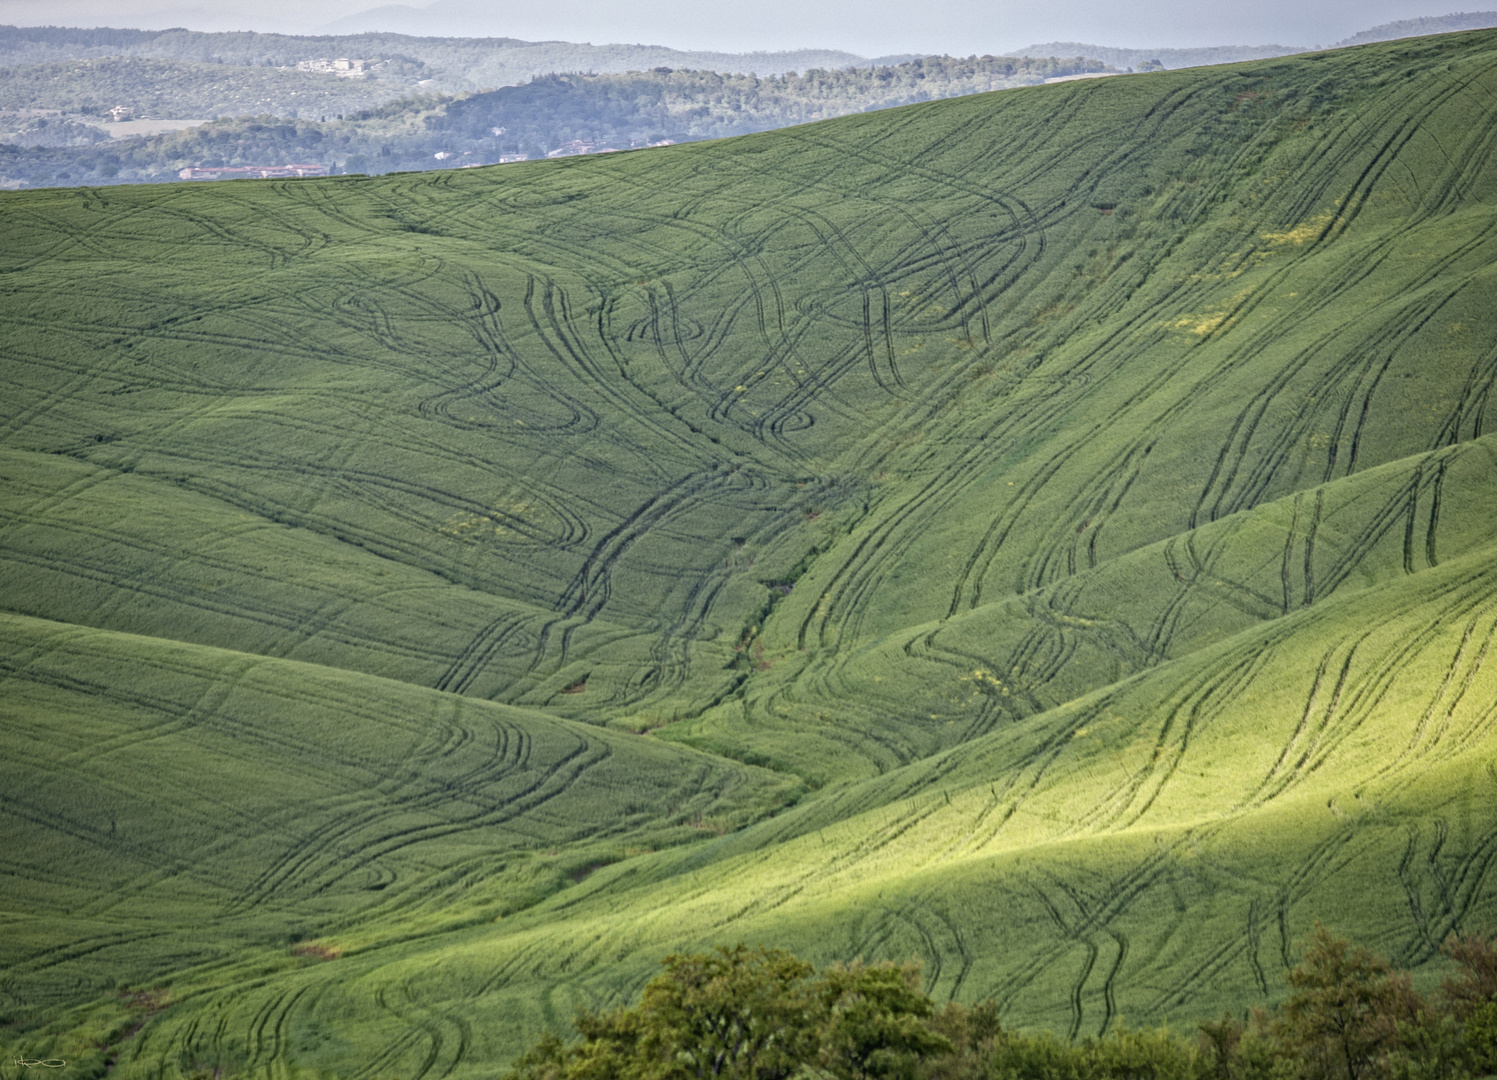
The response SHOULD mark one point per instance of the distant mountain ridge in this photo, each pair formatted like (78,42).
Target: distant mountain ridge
(638,108)
(1423,27)
(1233,54)
(452,63)
(57,82)
(1170,58)
(567,114)
(440,56)
(463,20)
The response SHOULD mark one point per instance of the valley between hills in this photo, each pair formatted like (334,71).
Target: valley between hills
(1047,533)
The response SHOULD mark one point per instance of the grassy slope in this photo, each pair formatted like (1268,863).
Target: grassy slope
(1086,488)
(178,804)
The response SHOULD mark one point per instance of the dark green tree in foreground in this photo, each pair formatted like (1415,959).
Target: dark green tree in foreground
(873,1023)
(733,1013)
(1350,1016)
(1344,1008)
(1470,999)
(751,1014)
(761,1014)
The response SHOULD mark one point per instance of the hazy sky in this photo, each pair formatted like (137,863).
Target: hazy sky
(870,27)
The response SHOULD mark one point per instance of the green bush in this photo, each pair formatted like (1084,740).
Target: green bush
(763,1015)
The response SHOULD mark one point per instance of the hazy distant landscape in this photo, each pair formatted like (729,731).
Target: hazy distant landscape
(238,100)
(1228,54)
(57,109)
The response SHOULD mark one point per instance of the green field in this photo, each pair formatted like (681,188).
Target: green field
(1047,533)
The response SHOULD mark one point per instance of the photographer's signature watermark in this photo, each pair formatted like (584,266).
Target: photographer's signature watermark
(45,1063)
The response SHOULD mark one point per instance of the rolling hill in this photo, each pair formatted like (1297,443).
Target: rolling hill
(1045,532)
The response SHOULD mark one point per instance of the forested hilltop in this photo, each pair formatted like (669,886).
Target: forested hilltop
(573,113)
(278,99)
(61,86)
(453,63)
(637,107)
(1429,24)
(1046,534)
(149,88)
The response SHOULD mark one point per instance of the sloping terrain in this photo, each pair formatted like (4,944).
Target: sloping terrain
(280,795)
(1046,532)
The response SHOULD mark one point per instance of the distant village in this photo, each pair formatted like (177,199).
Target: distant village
(251,172)
(574,148)
(343,67)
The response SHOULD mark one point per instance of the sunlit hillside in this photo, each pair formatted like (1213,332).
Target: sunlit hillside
(1047,533)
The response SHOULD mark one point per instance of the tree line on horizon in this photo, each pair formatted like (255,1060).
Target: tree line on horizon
(640,106)
(762,1014)
(596,111)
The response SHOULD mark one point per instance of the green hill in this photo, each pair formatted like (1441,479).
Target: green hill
(1044,532)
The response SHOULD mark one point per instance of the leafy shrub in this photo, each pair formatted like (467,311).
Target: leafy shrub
(763,1015)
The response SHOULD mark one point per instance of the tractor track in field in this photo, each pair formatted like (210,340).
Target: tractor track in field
(1474,403)
(350,844)
(1326,294)
(989,436)
(1300,882)
(589,591)
(1338,701)
(446,742)
(547,308)
(386,491)
(1203,697)
(327,623)
(1093,543)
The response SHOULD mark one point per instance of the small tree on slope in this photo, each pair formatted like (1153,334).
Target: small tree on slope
(1343,1010)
